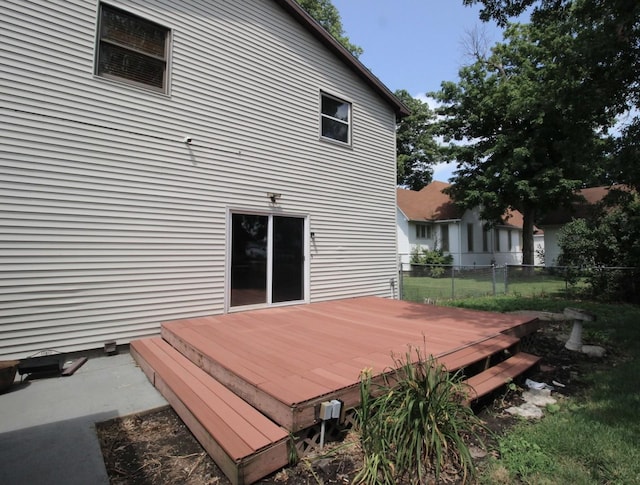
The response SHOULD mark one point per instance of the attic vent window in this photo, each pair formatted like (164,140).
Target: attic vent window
(335,119)
(132,49)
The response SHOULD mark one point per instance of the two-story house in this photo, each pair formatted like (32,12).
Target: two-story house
(179,158)
(430,219)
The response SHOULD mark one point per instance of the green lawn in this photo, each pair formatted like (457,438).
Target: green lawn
(467,285)
(591,438)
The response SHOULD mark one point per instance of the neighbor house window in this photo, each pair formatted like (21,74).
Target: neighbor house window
(132,49)
(510,239)
(485,239)
(335,119)
(470,237)
(444,234)
(423,231)
(497,236)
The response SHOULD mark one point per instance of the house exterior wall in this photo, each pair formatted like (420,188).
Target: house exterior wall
(405,245)
(551,248)
(112,224)
(459,243)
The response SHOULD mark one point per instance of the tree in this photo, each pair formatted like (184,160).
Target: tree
(609,238)
(416,147)
(606,59)
(525,146)
(327,15)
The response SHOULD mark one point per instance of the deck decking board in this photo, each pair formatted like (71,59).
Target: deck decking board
(243,442)
(498,375)
(293,356)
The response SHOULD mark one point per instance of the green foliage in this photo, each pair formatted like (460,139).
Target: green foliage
(327,15)
(420,255)
(417,149)
(415,425)
(434,260)
(515,134)
(603,54)
(593,437)
(611,238)
(523,457)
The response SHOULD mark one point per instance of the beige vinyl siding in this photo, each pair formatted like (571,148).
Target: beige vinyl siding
(110,224)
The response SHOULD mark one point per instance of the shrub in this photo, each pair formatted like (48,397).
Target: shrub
(434,260)
(415,424)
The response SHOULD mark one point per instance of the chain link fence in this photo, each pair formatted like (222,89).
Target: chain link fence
(430,283)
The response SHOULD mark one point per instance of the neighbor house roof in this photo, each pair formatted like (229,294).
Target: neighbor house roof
(307,21)
(581,207)
(428,204)
(432,204)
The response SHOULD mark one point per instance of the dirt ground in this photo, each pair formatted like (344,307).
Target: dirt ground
(157,448)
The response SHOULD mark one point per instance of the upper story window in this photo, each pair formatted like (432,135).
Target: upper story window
(335,119)
(423,231)
(132,49)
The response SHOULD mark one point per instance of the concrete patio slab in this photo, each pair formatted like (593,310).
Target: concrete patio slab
(47,425)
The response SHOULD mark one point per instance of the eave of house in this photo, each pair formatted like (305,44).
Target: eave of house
(299,14)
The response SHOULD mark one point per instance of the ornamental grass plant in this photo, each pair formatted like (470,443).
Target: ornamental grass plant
(415,423)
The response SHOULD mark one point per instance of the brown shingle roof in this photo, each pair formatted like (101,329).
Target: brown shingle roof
(428,204)
(431,204)
(581,207)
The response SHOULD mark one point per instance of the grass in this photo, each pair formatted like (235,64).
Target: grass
(592,438)
(478,284)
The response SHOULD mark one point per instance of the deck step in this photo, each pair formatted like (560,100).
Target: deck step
(478,351)
(500,374)
(244,443)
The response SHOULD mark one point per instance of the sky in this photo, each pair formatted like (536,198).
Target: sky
(413,44)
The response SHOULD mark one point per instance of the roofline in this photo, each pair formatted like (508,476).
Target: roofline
(307,21)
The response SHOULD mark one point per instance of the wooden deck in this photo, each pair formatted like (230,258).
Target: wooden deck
(285,361)
(244,382)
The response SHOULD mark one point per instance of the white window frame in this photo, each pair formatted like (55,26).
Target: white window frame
(423,231)
(307,258)
(324,116)
(100,40)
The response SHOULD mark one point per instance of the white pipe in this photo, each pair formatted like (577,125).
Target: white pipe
(322,434)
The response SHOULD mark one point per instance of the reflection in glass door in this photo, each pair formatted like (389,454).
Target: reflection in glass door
(267,252)
(288,259)
(248,259)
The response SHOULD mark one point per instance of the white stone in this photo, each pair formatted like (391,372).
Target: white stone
(525,410)
(593,350)
(538,397)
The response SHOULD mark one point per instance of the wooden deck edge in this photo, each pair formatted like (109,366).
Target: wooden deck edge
(240,472)
(278,411)
(477,351)
(524,329)
(500,374)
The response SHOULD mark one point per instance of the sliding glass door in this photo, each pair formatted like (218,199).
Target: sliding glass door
(267,259)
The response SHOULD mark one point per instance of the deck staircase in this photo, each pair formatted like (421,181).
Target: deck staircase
(241,433)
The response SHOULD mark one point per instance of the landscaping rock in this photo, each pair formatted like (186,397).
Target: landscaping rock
(525,410)
(593,351)
(538,397)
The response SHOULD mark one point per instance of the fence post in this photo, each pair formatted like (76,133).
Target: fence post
(506,279)
(400,283)
(453,283)
(493,278)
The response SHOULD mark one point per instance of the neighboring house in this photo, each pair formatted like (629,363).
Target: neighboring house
(429,219)
(581,208)
(179,158)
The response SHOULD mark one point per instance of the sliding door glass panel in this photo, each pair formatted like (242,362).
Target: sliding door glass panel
(288,259)
(249,235)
